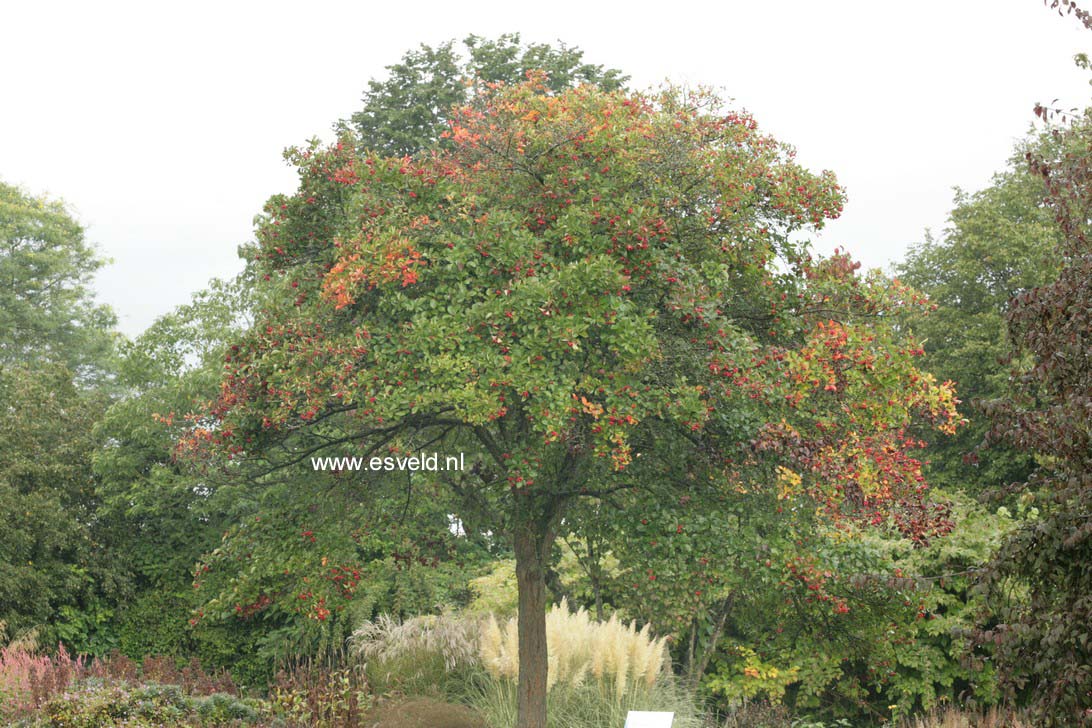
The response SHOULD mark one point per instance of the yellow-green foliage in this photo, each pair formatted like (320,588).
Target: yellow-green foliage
(742,675)
(495,592)
(580,648)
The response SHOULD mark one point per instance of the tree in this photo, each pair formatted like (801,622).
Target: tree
(47,312)
(408,112)
(585,289)
(161,517)
(1044,641)
(999,242)
(52,570)
(56,347)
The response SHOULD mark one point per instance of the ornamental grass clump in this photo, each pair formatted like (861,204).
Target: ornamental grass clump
(580,649)
(431,654)
(597,673)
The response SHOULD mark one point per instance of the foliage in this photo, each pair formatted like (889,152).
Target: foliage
(1043,641)
(93,703)
(495,592)
(53,571)
(999,242)
(155,623)
(831,621)
(161,517)
(756,583)
(56,363)
(319,557)
(321,693)
(63,690)
(408,112)
(588,293)
(47,312)
(578,574)
(943,662)
(170,520)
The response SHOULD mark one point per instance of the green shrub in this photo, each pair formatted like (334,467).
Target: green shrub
(236,647)
(155,623)
(94,703)
(220,708)
(98,703)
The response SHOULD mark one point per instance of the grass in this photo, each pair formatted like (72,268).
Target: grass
(433,656)
(598,671)
(589,704)
(952,718)
(580,649)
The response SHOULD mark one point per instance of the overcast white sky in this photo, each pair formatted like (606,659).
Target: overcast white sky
(162,125)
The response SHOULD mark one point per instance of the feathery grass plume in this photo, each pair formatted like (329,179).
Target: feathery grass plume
(427,655)
(610,652)
(388,639)
(497,649)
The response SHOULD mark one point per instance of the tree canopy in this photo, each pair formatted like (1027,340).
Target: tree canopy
(409,110)
(999,242)
(47,310)
(585,290)
(1044,639)
(56,355)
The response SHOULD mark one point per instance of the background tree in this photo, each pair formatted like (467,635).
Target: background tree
(1044,643)
(409,111)
(586,286)
(161,517)
(54,574)
(56,349)
(47,311)
(999,242)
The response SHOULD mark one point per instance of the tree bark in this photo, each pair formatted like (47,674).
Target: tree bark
(697,671)
(595,575)
(532,543)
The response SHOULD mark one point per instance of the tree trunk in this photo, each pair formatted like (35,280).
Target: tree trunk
(532,543)
(595,575)
(598,591)
(697,671)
